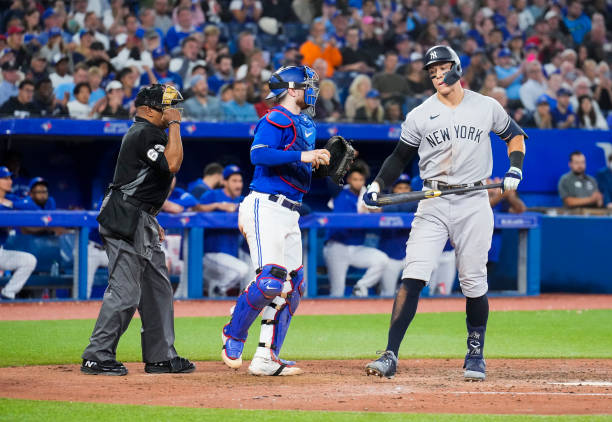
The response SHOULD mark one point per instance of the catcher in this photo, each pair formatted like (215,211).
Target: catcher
(283,155)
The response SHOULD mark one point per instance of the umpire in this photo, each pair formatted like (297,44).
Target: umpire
(138,277)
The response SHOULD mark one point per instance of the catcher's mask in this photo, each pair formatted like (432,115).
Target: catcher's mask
(444,54)
(159,97)
(295,77)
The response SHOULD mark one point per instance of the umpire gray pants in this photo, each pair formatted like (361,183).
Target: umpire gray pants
(138,279)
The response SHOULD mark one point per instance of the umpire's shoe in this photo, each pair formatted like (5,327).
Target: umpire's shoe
(384,366)
(108,367)
(176,365)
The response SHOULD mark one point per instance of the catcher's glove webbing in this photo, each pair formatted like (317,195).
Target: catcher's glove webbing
(341,154)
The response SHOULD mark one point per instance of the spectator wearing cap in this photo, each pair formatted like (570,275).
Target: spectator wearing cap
(223,269)
(111,105)
(508,75)
(202,107)
(61,75)
(187,60)
(22,105)
(542,115)
(372,38)
(563,115)
(372,111)
(38,68)
(515,45)
(390,84)
(558,30)
(80,75)
(245,11)
(533,87)
(353,58)
(403,46)
(14,41)
(340,22)
(8,86)
(318,47)
(162,18)
(52,27)
(182,29)
(224,73)
(360,86)
(577,23)
(45,102)
(328,107)
(21,264)
(79,108)
(238,109)
(160,74)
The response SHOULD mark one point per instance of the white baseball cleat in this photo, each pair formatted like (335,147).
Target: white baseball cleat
(261,366)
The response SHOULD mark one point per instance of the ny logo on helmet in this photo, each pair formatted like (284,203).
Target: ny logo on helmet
(433,55)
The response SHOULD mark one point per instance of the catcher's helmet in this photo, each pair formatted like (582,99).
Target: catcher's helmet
(444,54)
(295,77)
(158,97)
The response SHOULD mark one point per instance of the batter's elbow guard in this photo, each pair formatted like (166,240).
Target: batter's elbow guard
(512,129)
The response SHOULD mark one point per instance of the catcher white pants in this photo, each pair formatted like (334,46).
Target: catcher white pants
(21,264)
(338,257)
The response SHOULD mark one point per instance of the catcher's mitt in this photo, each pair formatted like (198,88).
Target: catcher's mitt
(341,154)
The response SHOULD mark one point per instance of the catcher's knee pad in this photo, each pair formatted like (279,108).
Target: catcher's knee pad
(284,313)
(267,285)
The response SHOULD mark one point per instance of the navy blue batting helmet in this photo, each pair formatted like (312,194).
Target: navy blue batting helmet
(295,77)
(444,54)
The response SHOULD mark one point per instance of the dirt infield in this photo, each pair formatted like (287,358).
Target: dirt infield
(24,311)
(425,385)
(516,386)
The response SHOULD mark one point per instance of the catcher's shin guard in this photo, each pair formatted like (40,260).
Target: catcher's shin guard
(277,316)
(267,285)
(474,364)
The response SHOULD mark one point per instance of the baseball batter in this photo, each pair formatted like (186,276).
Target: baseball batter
(283,154)
(450,132)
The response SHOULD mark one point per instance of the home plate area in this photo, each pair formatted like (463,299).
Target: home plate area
(513,386)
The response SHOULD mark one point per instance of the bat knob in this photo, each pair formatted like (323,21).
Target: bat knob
(371,198)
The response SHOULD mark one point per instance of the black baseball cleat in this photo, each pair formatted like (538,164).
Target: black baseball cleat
(384,366)
(108,367)
(475,369)
(176,365)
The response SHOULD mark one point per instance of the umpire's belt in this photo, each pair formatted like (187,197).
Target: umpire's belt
(144,206)
(434,184)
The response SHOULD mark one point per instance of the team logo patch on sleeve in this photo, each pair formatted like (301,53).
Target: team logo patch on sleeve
(159,148)
(152,154)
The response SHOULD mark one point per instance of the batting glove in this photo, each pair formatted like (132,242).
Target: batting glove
(372,194)
(512,178)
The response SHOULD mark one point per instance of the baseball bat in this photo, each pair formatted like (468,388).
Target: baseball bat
(398,198)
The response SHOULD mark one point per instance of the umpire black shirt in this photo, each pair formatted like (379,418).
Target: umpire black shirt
(142,161)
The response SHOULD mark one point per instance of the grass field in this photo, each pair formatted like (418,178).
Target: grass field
(521,334)
(28,410)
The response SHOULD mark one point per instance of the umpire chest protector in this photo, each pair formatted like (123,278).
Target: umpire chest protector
(299,134)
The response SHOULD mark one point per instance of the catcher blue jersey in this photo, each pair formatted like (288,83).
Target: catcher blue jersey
(280,138)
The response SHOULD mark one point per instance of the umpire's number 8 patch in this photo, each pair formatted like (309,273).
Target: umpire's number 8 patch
(152,154)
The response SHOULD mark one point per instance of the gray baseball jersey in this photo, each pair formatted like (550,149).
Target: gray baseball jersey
(454,144)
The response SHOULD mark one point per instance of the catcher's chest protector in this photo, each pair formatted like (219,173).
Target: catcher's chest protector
(299,134)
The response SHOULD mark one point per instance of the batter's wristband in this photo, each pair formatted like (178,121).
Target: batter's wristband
(516,159)
(174,121)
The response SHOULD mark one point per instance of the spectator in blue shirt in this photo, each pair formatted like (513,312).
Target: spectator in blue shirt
(21,264)
(224,73)
(8,86)
(577,23)
(223,270)
(238,110)
(604,182)
(183,29)
(509,76)
(80,75)
(563,116)
(160,74)
(345,247)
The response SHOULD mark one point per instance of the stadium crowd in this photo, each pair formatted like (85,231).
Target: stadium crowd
(545,61)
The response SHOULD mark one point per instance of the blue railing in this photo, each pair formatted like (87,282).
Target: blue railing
(195,225)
